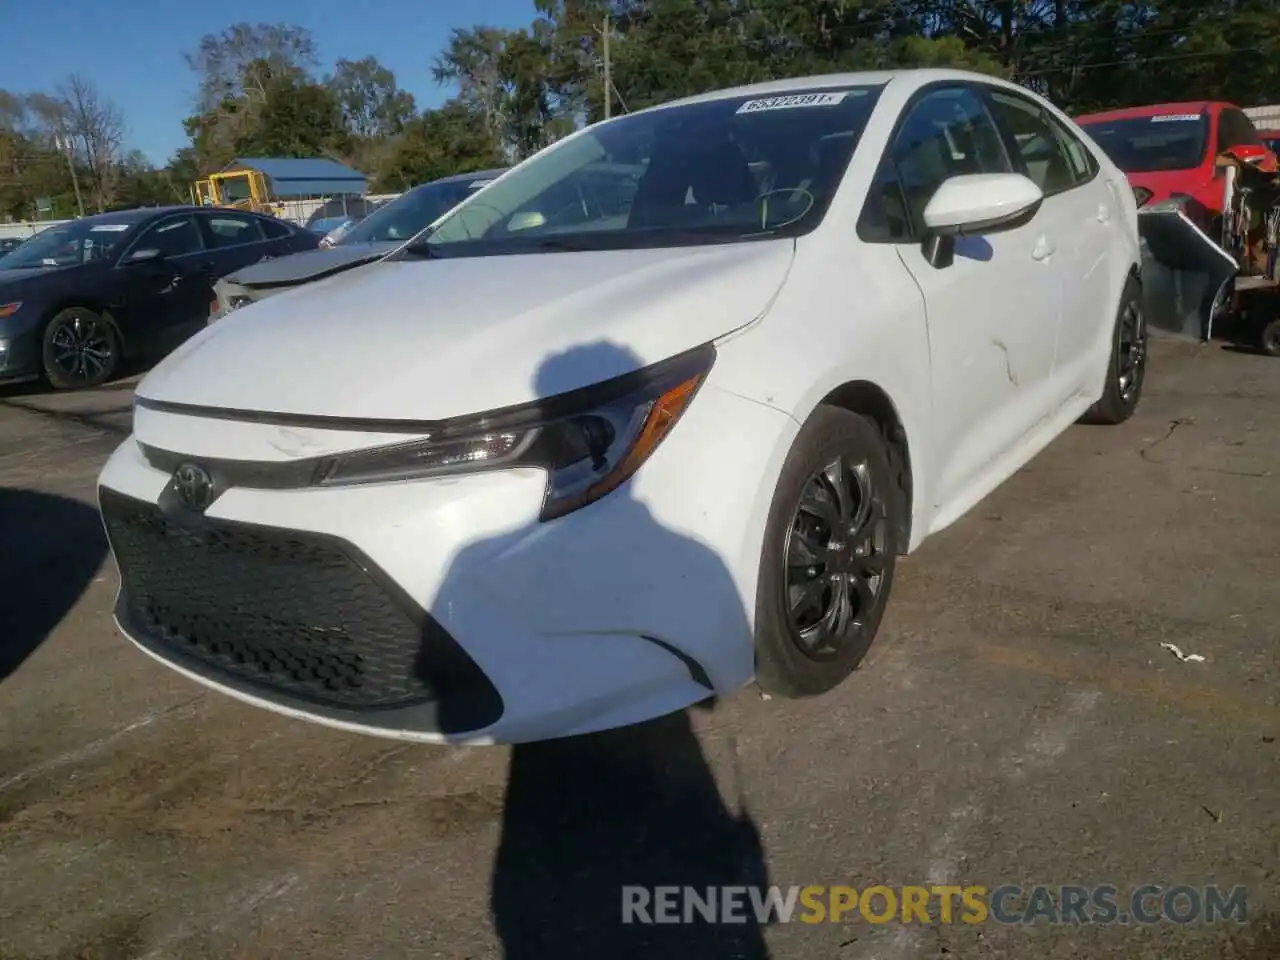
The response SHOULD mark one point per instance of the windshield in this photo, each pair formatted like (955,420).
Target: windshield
(408,215)
(69,244)
(1150,144)
(739,168)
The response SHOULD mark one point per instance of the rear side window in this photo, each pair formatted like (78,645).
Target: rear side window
(274,229)
(1043,155)
(232,229)
(1235,129)
(946,133)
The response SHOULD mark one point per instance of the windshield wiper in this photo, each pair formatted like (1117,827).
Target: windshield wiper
(421,248)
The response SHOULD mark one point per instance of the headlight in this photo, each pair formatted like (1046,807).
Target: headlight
(590,441)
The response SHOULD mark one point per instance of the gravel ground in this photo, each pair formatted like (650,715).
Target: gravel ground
(1017,723)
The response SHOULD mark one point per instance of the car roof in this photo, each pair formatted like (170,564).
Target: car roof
(476,175)
(1153,110)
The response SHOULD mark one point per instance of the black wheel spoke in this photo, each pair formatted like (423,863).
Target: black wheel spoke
(836,558)
(81,349)
(807,597)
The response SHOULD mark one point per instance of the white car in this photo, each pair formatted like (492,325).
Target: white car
(574,457)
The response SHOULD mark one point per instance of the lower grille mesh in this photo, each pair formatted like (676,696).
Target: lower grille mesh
(289,612)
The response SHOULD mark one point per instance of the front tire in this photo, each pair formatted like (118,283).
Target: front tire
(1269,338)
(80,349)
(1127,364)
(830,549)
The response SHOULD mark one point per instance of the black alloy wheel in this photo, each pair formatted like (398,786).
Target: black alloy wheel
(829,553)
(835,558)
(80,349)
(1126,361)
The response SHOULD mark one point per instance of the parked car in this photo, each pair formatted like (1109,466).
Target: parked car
(77,298)
(555,467)
(366,241)
(1169,151)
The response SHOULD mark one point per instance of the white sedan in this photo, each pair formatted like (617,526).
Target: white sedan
(589,450)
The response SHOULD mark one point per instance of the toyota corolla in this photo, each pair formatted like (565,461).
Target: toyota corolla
(644,440)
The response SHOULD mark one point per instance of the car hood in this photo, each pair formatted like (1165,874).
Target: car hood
(427,340)
(309,265)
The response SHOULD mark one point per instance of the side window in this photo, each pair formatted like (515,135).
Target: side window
(274,229)
(174,237)
(1235,129)
(1043,156)
(232,229)
(945,134)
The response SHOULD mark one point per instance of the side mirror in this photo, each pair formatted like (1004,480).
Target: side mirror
(526,221)
(1250,153)
(145,256)
(973,205)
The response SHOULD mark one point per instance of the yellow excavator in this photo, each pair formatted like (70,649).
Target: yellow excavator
(241,189)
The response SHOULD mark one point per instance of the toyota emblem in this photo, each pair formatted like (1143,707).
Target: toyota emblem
(194,486)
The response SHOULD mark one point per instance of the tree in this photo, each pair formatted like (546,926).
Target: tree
(238,68)
(95,126)
(372,105)
(297,119)
(452,139)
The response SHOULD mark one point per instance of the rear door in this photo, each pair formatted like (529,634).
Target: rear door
(992,313)
(1079,211)
(235,240)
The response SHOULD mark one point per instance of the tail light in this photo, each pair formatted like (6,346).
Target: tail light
(1142,195)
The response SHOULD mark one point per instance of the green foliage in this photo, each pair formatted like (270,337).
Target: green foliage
(515,91)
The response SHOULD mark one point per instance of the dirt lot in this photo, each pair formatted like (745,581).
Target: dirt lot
(1018,722)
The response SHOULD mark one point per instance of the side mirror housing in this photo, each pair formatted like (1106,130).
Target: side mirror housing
(974,205)
(145,256)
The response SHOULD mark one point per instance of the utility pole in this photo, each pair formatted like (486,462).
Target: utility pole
(63,142)
(608,77)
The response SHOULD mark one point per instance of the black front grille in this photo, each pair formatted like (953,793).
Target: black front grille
(295,614)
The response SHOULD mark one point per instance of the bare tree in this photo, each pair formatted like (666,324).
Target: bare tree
(95,126)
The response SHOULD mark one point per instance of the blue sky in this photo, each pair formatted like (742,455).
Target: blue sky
(133,49)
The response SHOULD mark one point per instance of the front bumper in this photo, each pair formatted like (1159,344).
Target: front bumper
(20,353)
(442,610)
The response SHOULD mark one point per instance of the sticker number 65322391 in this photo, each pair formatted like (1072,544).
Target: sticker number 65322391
(794,100)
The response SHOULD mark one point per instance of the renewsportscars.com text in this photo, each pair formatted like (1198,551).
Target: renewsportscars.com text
(1007,904)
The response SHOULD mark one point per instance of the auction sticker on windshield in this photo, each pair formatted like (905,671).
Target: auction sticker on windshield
(1170,117)
(794,100)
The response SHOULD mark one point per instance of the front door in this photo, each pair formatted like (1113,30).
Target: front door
(165,290)
(992,313)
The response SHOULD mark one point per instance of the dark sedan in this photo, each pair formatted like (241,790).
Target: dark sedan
(372,238)
(78,298)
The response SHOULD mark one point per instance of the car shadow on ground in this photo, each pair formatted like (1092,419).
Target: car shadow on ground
(51,548)
(639,807)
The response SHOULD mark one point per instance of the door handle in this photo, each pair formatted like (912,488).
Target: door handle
(1104,213)
(1044,247)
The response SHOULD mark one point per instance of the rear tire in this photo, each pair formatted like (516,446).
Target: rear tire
(829,553)
(1127,361)
(79,349)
